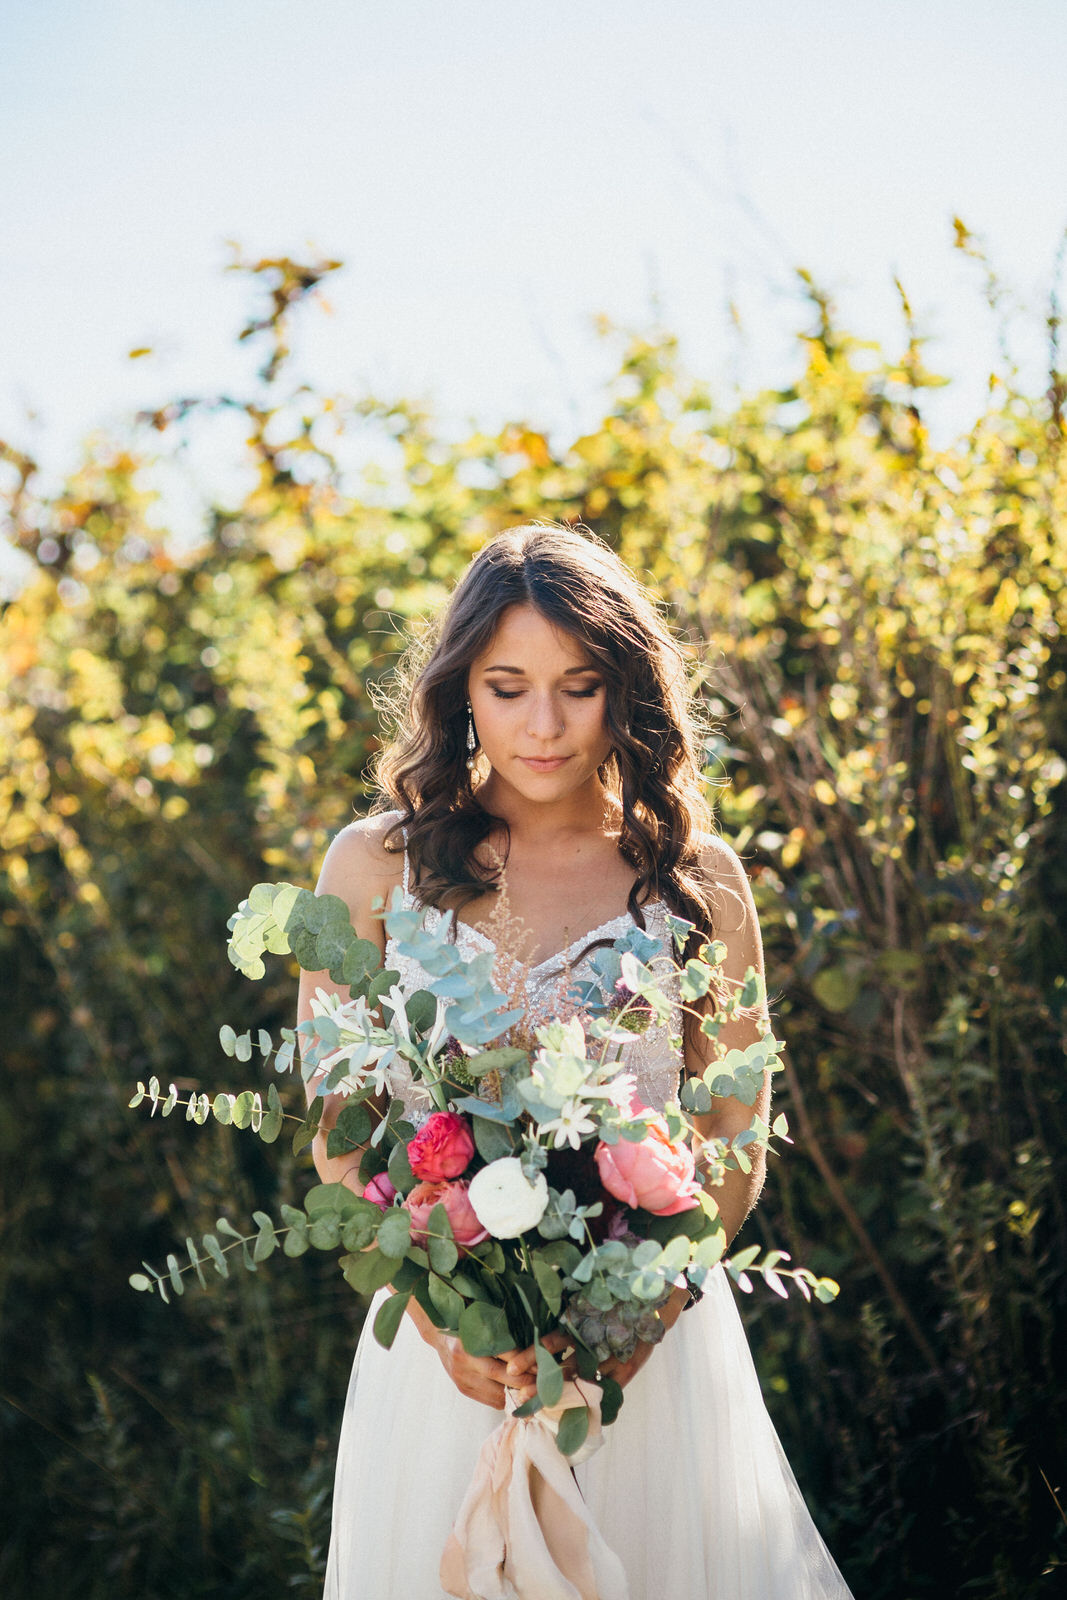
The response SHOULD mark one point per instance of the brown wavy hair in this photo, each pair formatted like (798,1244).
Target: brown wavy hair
(577,583)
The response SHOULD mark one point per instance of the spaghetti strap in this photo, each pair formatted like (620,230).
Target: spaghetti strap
(407,865)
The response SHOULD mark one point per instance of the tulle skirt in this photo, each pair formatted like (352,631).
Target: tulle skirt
(691,1488)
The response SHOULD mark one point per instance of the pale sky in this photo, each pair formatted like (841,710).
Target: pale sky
(494,175)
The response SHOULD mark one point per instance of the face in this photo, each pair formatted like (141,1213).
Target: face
(539,707)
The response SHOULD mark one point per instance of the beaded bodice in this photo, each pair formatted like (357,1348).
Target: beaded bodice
(654,1057)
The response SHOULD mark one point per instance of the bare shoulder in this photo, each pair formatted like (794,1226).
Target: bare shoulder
(735,910)
(360,868)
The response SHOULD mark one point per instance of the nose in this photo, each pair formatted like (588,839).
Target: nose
(545,720)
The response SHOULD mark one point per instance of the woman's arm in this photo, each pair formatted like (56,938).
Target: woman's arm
(737,925)
(357,869)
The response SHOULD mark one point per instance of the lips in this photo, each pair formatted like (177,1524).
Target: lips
(543,764)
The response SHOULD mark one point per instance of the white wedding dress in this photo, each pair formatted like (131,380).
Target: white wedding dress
(691,1488)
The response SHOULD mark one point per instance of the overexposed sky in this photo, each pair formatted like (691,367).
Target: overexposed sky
(494,175)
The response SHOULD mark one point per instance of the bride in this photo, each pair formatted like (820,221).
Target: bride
(547,727)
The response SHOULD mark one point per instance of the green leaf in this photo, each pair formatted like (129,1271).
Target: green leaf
(586,1363)
(139,1281)
(296,1241)
(394,1234)
(421,1008)
(221,1109)
(271,1120)
(367,1271)
(324,1232)
(214,1250)
(266,1240)
(573,1428)
(610,1401)
(352,1129)
(440,1244)
(227,1038)
(334,1199)
(388,1320)
(549,1376)
(309,1127)
(399,1168)
(361,957)
(780,1126)
(194,1261)
(447,1302)
(243,1048)
(549,1283)
(380,984)
(695,981)
(695,1096)
(496,1061)
(265,1043)
(175,1275)
(492,1139)
(138,1097)
(484,1330)
(360,1229)
(529,1408)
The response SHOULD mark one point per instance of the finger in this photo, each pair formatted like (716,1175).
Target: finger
(557,1340)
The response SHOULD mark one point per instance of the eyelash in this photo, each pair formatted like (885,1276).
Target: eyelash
(572,694)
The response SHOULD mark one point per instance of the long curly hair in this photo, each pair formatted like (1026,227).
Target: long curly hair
(577,583)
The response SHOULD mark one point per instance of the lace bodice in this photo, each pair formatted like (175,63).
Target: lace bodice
(652,1057)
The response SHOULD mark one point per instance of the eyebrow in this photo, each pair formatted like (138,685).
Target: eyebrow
(519,672)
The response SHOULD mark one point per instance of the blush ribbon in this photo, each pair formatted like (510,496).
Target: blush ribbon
(523,1531)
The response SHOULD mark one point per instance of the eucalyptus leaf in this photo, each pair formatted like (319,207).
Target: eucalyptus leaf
(367,1271)
(573,1429)
(394,1233)
(484,1330)
(447,1302)
(549,1376)
(387,1322)
(440,1244)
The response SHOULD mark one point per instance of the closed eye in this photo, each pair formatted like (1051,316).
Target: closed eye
(572,694)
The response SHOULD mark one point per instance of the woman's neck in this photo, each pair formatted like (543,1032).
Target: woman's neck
(591,809)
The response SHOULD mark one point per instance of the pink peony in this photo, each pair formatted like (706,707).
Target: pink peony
(656,1174)
(466,1228)
(442,1148)
(381,1190)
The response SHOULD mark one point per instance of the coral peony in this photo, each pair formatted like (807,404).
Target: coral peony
(656,1174)
(442,1148)
(466,1228)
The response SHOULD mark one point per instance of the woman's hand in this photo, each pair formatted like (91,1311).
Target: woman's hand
(481,1378)
(522,1364)
(623,1371)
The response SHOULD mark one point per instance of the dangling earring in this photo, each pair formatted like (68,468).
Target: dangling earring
(472,742)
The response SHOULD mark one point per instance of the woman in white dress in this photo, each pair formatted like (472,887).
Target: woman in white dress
(547,727)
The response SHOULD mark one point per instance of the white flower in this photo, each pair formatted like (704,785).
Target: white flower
(568,1127)
(505,1201)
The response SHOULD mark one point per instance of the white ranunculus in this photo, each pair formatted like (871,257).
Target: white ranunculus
(504,1199)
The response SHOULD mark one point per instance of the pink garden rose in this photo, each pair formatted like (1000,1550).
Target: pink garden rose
(442,1148)
(466,1228)
(656,1174)
(381,1190)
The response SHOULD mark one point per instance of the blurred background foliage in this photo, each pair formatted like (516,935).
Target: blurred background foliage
(878,625)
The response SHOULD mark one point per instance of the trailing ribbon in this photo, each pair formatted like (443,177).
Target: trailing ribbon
(523,1531)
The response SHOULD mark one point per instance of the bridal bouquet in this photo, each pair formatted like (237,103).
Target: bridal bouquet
(514,1184)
